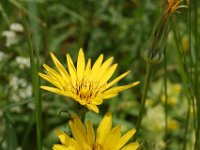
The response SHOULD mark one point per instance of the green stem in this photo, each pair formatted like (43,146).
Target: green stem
(185,78)
(165,91)
(144,95)
(5,16)
(186,128)
(36,83)
(81,110)
(196,75)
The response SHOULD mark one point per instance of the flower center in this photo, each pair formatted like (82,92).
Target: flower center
(85,93)
(86,90)
(97,147)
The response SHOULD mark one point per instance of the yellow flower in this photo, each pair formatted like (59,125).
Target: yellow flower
(85,84)
(107,138)
(176,89)
(185,44)
(172,125)
(173,101)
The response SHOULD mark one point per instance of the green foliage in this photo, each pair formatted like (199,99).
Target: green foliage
(119,28)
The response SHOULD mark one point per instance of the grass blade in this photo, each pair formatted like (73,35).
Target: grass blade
(36,83)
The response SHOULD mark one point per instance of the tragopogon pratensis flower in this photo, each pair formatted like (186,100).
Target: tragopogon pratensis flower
(106,138)
(87,85)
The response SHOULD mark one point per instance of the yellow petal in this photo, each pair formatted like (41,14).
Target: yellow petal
(64,138)
(55,75)
(87,69)
(124,139)
(103,69)
(54,90)
(79,125)
(51,80)
(80,64)
(92,107)
(108,74)
(117,79)
(75,97)
(104,128)
(72,69)
(60,147)
(97,101)
(72,146)
(49,69)
(67,141)
(60,67)
(90,133)
(78,134)
(109,95)
(131,146)
(113,138)
(96,67)
(117,89)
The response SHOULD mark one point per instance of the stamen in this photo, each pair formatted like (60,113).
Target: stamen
(97,147)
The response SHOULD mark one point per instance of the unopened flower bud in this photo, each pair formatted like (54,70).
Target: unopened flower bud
(154,58)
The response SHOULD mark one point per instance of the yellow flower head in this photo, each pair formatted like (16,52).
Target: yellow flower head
(185,44)
(85,84)
(107,138)
(172,125)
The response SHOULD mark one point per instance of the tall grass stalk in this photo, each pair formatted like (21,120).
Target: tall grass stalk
(18,5)
(4,14)
(36,83)
(183,66)
(196,73)
(165,92)
(192,62)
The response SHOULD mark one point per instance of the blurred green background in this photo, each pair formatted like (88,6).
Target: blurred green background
(119,28)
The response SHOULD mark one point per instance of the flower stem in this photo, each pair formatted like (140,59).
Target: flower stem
(144,95)
(81,110)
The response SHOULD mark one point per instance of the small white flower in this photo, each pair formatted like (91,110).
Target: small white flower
(22,82)
(25,92)
(11,37)
(13,82)
(19,148)
(23,62)
(16,109)
(2,56)
(31,106)
(29,90)
(20,89)
(1,113)
(17,27)
(14,97)
(155,115)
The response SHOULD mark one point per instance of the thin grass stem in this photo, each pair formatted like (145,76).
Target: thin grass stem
(165,92)
(196,74)
(36,83)
(144,95)
(185,78)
